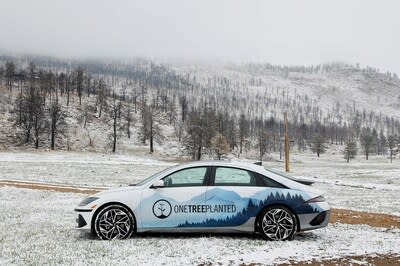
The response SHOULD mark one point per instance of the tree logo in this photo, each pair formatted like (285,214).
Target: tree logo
(162,209)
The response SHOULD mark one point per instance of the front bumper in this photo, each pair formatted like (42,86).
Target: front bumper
(84,220)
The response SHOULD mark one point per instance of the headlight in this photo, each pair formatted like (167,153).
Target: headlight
(87,201)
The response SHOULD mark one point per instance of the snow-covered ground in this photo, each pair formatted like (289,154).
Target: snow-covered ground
(38,229)
(372,185)
(74,168)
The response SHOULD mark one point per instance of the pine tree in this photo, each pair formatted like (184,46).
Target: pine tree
(392,144)
(367,142)
(382,143)
(318,145)
(350,150)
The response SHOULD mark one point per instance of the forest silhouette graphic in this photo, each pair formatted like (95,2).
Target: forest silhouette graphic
(254,206)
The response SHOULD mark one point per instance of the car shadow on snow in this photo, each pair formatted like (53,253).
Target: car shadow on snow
(301,236)
(305,236)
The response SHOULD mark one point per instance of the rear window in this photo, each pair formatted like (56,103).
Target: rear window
(229,176)
(268,182)
(226,176)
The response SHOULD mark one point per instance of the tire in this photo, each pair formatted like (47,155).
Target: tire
(277,223)
(114,222)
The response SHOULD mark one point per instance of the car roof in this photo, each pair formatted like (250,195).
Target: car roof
(251,167)
(248,166)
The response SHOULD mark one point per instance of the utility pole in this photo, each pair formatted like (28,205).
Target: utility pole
(280,140)
(286,144)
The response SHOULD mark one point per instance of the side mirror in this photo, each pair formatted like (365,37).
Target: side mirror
(158,184)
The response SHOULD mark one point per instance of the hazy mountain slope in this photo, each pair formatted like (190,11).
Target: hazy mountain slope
(333,98)
(338,91)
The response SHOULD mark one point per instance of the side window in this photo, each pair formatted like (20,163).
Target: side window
(186,177)
(225,176)
(264,181)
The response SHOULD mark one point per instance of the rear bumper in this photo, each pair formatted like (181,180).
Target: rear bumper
(310,221)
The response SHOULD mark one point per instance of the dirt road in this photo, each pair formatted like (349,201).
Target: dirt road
(51,187)
(378,260)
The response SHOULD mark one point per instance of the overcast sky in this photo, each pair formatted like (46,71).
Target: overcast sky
(279,32)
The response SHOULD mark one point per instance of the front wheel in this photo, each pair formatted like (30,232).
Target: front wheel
(278,223)
(114,222)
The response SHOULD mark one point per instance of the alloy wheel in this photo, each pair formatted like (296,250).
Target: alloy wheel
(114,223)
(278,224)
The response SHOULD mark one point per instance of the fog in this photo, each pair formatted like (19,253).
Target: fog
(279,32)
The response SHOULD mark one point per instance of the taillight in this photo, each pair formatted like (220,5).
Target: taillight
(316,199)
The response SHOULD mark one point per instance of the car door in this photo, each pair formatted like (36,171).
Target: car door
(233,197)
(179,203)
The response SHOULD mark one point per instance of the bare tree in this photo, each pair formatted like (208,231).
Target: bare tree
(201,128)
(115,117)
(31,115)
(243,131)
(2,73)
(38,115)
(79,80)
(220,146)
(150,129)
(67,85)
(85,114)
(263,141)
(128,119)
(135,96)
(23,110)
(184,107)
(10,72)
(101,96)
(57,121)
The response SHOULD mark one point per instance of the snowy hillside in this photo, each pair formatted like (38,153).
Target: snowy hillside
(335,89)
(174,107)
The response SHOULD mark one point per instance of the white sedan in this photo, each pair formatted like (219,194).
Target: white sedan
(206,196)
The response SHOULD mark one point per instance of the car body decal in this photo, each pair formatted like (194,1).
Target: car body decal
(221,207)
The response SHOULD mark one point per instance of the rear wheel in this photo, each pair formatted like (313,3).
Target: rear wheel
(114,222)
(277,223)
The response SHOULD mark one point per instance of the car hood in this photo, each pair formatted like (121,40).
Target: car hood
(117,190)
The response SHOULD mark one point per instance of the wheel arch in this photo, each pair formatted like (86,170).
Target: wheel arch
(92,225)
(258,216)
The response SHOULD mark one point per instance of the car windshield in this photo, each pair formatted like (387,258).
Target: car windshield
(148,179)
